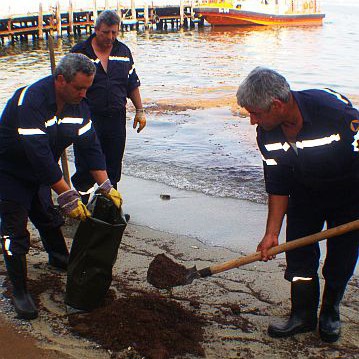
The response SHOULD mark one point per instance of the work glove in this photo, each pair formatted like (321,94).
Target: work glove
(140,119)
(108,191)
(71,205)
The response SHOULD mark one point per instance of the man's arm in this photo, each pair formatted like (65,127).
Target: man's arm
(140,118)
(277,208)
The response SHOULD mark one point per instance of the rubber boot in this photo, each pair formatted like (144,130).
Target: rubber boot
(303,317)
(23,303)
(54,244)
(329,318)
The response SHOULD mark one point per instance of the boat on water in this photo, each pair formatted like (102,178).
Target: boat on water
(260,12)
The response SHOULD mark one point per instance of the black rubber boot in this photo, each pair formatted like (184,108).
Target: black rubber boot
(329,318)
(303,317)
(54,244)
(23,303)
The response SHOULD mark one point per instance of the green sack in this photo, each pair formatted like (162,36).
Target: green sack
(93,254)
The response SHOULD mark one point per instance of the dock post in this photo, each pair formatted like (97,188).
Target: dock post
(133,12)
(192,14)
(58,18)
(145,15)
(94,12)
(71,18)
(40,21)
(119,12)
(181,13)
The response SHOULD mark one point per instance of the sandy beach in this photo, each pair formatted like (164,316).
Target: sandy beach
(235,307)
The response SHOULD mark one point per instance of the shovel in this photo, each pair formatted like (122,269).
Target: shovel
(188,275)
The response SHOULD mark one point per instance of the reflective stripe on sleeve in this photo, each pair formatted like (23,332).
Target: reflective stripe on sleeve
(51,122)
(95,61)
(119,58)
(318,141)
(277,146)
(355,143)
(269,161)
(337,95)
(85,128)
(131,71)
(22,95)
(30,131)
(73,120)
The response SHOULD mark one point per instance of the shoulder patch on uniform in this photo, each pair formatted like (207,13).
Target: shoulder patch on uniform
(354,125)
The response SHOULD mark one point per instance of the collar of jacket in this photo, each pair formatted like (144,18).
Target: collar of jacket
(90,51)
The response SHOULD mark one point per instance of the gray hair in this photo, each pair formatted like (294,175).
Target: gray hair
(261,87)
(107,17)
(71,64)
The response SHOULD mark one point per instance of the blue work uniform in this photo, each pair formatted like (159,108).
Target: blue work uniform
(32,139)
(320,174)
(107,100)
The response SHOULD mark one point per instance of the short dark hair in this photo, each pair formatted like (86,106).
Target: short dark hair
(107,17)
(71,64)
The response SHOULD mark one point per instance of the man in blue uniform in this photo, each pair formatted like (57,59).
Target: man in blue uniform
(115,80)
(309,144)
(37,124)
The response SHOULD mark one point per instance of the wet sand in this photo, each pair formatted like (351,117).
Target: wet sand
(236,306)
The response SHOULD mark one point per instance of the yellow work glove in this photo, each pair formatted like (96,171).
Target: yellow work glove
(108,191)
(80,212)
(140,119)
(71,205)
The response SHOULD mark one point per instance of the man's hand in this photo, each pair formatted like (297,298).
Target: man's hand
(108,191)
(70,203)
(266,243)
(140,120)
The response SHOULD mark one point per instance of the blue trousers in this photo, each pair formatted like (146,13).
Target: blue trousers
(14,217)
(111,131)
(342,251)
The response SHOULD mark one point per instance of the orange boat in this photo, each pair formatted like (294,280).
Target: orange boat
(260,12)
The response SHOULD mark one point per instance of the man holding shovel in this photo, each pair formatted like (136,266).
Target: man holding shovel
(37,124)
(309,142)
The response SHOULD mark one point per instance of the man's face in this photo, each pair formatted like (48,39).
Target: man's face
(106,35)
(74,91)
(266,119)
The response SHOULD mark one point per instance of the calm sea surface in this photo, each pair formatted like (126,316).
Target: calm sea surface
(188,143)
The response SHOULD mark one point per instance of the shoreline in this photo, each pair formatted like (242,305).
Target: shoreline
(236,305)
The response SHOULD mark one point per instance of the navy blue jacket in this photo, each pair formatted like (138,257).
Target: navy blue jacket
(327,158)
(32,138)
(109,91)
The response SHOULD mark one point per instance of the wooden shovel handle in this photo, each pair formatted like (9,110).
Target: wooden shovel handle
(285,247)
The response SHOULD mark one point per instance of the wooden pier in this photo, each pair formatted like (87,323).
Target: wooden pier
(69,21)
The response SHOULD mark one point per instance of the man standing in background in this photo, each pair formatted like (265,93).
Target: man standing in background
(115,80)
(309,142)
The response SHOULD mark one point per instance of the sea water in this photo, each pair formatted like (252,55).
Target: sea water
(196,138)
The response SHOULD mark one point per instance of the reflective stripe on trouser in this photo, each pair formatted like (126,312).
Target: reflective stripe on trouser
(15,238)
(14,219)
(342,251)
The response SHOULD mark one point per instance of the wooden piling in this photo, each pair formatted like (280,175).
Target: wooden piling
(58,19)
(145,15)
(181,13)
(40,20)
(71,18)
(133,10)
(119,11)
(94,12)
